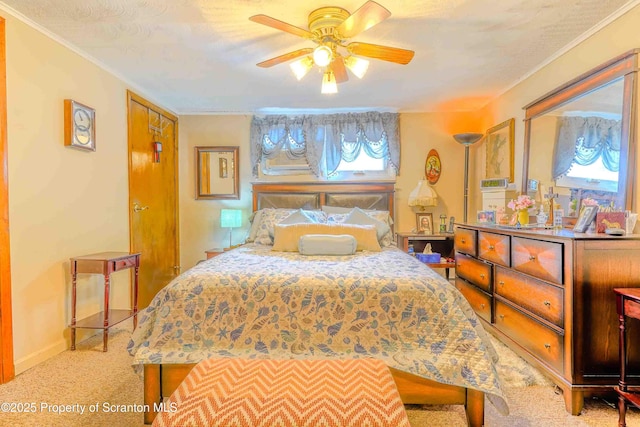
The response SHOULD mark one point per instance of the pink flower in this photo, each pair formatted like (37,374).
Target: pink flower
(589,202)
(522,202)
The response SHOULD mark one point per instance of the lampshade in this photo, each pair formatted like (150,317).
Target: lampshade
(423,195)
(301,67)
(322,55)
(358,66)
(329,84)
(467,138)
(230,218)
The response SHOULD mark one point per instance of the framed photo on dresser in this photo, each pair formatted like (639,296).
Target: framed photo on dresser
(587,215)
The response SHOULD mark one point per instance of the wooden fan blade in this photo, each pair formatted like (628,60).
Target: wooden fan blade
(339,70)
(385,53)
(284,58)
(368,15)
(280,25)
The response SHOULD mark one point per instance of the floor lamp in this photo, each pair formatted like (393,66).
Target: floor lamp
(467,139)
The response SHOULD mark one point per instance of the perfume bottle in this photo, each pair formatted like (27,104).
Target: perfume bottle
(443,223)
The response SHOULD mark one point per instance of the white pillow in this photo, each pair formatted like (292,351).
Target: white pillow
(327,244)
(358,216)
(270,217)
(383,216)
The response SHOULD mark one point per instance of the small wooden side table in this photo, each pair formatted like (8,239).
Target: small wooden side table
(441,243)
(627,305)
(103,263)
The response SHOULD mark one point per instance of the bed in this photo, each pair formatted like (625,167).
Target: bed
(258,303)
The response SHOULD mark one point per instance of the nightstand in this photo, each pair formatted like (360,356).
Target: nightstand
(104,263)
(440,243)
(214,252)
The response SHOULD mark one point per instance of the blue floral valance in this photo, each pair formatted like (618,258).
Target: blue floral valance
(324,140)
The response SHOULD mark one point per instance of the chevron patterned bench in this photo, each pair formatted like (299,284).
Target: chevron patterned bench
(262,392)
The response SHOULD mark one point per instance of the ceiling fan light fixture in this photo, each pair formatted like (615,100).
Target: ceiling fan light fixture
(301,67)
(329,84)
(358,66)
(322,56)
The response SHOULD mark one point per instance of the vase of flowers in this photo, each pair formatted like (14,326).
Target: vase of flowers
(521,205)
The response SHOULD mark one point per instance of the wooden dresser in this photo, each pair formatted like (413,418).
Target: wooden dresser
(548,295)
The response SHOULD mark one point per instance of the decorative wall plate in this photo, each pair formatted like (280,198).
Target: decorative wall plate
(432,167)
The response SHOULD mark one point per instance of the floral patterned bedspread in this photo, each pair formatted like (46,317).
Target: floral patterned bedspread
(254,302)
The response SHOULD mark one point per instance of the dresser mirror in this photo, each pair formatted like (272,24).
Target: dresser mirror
(580,138)
(217,173)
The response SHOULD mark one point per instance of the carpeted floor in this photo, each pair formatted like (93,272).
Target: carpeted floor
(86,377)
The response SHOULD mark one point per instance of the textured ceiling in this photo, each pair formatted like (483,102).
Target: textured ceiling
(199,56)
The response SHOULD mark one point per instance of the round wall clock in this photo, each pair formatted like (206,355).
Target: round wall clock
(79,125)
(432,167)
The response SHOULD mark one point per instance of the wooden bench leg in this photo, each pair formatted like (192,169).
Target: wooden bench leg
(151,392)
(474,407)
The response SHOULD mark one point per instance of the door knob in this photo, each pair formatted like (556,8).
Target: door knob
(138,208)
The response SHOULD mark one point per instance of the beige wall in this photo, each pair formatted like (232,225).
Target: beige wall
(200,219)
(62,202)
(614,39)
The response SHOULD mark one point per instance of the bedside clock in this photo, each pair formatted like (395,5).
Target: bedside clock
(79,125)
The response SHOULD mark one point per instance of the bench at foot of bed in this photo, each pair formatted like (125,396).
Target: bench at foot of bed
(160,381)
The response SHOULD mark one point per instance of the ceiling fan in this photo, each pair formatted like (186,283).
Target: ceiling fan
(330,28)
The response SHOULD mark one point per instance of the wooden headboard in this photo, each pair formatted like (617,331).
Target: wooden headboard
(314,195)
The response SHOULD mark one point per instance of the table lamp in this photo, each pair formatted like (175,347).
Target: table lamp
(230,218)
(423,195)
(467,139)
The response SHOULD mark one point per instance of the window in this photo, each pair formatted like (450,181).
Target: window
(333,146)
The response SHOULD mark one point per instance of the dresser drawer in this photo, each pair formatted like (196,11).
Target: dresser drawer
(495,248)
(478,300)
(476,272)
(543,342)
(123,263)
(537,258)
(465,241)
(538,297)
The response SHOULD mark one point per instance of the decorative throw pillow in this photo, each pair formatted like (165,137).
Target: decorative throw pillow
(254,220)
(358,216)
(383,216)
(298,217)
(268,219)
(287,236)
(327,244)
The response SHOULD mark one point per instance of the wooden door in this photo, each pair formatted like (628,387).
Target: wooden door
(153,195)
(7,367)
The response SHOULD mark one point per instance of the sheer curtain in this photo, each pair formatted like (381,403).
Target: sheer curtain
(583,140)
(324,140)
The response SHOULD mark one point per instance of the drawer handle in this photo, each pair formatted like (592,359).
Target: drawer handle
(463,241)
(482,275)
(491,247)
(482,305)
(501,316)
(532,257)
(501,283)
(547,346)
(547,303)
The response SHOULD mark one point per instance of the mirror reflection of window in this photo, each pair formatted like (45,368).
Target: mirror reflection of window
(577,145)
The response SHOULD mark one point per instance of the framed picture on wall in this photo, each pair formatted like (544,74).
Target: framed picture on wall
(500,146)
